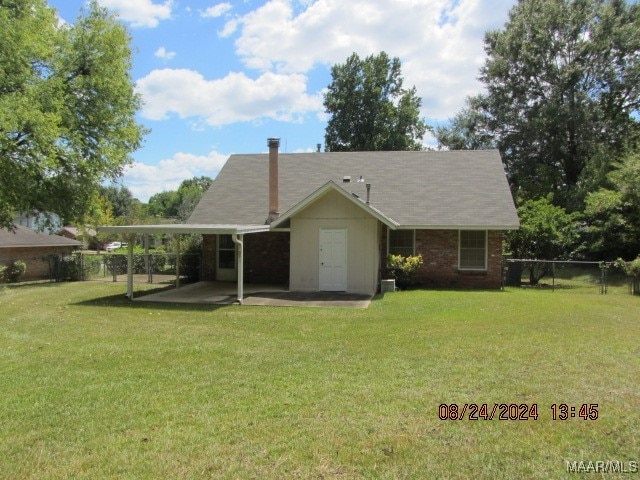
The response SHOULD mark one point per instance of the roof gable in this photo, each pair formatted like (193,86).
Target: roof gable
(453,189)
(320,192)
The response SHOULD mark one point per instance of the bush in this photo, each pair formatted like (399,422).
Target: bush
(632,270)
(79,267)
(190,255)
(115,264)
(91,265)
(13,272)
(404,269)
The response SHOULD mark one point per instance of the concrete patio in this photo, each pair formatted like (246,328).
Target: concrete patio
(225,293)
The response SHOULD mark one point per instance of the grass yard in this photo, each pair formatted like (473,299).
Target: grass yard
(96,387)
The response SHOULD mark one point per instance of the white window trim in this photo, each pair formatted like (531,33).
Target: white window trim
(413,249)
(486,252)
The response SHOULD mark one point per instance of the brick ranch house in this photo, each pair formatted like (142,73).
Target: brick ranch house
(33,248)
(326,221)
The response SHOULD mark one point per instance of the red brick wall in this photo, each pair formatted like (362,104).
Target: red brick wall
(208,257)
(34,257)
(266,258)
(439,250)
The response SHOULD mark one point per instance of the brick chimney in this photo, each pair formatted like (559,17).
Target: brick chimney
(274,144)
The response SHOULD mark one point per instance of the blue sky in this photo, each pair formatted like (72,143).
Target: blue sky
(219,78)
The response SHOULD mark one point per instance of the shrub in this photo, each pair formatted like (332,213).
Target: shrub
(78,267)
(13,272)
(632,270)
(190,255)
(404,269)
(115,264)
(3,269)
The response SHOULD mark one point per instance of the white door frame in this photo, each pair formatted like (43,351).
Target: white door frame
(332,268)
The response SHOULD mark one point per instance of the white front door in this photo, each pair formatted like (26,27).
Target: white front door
(333,259)
(226,270)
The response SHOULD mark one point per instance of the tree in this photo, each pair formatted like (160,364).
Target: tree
(190,193)
(179,204)
(369,108)
(547,232)
(67,109)
(119,199)
(613,213)
(164,204)
(563,93)
(467,130)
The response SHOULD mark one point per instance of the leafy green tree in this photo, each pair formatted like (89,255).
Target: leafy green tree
(119,198)
(467,130)
(164,204)
(613,213)
(370,109)
(563,93)
(547,232)
(67,109)
(179,204)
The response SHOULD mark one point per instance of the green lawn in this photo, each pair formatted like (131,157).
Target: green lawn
(96,387)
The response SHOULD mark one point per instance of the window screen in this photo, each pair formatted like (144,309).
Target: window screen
(473,249)
(401,242)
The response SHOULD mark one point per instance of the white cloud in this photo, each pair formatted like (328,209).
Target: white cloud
(234,98)
(164,54)
(146,180)
(217,10)
(140,13)
(440,42)
(229,28)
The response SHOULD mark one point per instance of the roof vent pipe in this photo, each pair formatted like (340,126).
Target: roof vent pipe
(274,144)
(319,145)
(368,192)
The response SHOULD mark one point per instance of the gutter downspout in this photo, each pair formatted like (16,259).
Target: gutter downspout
(237,239)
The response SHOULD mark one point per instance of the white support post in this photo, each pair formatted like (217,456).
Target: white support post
(178,261)
(237,239)
(130,269)
(147,260)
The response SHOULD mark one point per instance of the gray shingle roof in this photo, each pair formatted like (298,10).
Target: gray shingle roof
(453,189)
(25,237)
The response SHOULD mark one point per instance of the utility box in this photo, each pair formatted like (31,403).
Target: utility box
(388,285)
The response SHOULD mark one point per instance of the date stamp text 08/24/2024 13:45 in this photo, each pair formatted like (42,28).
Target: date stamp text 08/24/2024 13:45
(516,411)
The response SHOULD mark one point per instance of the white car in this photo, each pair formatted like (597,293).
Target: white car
(114,246)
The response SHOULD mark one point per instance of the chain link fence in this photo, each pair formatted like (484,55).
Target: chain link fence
(577,276)
(159,268)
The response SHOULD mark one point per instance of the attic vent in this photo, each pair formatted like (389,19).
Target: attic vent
(346,179)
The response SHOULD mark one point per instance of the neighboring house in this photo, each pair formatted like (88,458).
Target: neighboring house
(34,248)
(87,235)
(332,218)
(39,222)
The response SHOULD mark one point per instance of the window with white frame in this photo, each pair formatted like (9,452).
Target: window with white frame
(401,242)
(473,250)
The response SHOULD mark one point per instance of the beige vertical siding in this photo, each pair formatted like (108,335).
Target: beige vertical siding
(334,211)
